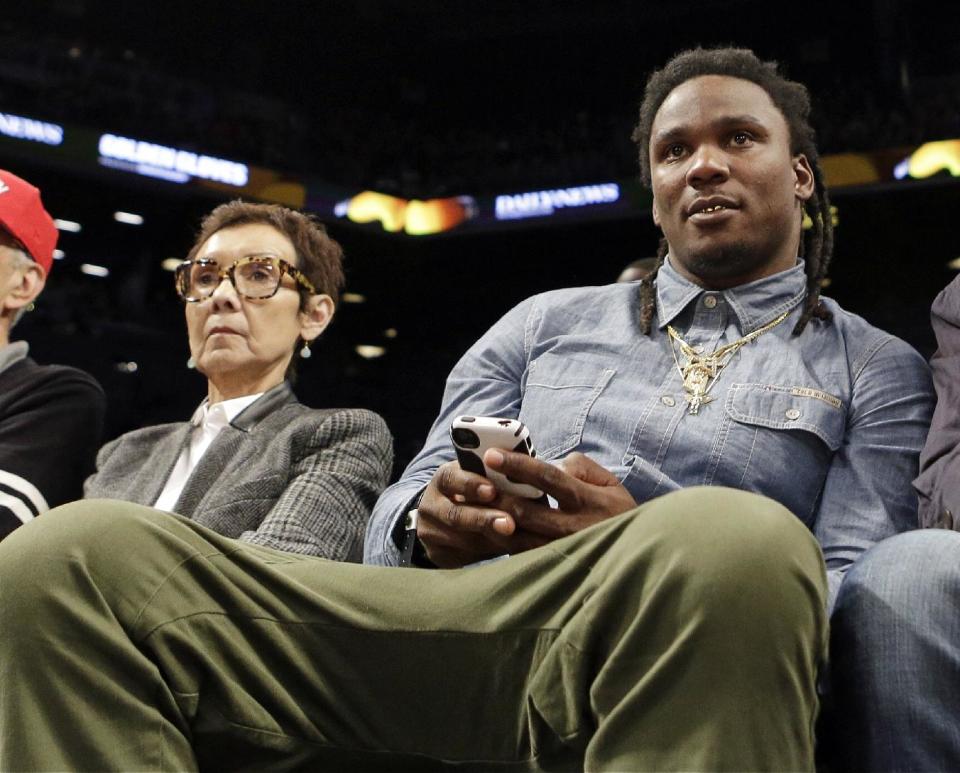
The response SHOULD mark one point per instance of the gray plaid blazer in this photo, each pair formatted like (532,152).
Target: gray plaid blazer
(281,474)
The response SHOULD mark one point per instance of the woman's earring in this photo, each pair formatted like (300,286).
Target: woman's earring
(305,351)
(191,363)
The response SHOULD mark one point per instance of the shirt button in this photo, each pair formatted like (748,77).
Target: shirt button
(710,301)
(793,414)
(668,401)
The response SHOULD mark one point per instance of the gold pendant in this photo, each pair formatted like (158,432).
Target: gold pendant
(700,370)
(696,381)
(696,401)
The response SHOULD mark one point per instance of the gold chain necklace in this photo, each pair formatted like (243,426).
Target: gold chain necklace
(700,371)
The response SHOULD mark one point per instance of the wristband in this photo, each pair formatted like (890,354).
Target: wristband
(409,537)
(412,552)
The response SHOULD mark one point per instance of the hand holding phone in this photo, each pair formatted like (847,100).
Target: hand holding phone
(473,435)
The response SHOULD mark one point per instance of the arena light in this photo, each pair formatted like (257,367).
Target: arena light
(415,217)
(58,255)
(172,164)
(170,264)
(954,265)
(91,269)
(67,225)
(390,332)
(19,127)
(369,351)
(130,218)
(515,206)
(353,298)
(930,159)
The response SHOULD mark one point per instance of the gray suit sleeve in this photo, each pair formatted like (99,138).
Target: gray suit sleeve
(91,486)
(334,483)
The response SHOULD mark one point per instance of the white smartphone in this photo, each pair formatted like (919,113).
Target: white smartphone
(473,435)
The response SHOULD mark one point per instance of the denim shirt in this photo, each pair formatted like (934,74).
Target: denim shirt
(829,423)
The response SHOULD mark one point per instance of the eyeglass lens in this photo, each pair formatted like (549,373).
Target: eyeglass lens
(254,278)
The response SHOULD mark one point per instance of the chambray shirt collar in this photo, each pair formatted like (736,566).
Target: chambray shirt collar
(754,304)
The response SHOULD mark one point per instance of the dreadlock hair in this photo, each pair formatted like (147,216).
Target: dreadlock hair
(793,101)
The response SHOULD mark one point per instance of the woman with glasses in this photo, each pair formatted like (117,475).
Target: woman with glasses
(259,285)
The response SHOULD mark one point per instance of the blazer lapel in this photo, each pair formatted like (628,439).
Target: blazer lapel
(162,457)
(227,446)
(211,466)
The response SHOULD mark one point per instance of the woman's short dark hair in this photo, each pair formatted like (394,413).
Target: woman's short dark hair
(319,256)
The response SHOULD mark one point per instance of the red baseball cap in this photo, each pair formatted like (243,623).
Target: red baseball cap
(23,215)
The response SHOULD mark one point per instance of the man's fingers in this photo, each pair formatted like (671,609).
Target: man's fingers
(449,548)
(538,518)
(547,477)
(582,467)
(464,517)
(457,513)
(451,481)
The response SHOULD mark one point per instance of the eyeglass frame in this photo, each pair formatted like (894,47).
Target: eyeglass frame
(228,273)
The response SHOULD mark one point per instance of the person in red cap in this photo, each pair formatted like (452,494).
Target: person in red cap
(51,416)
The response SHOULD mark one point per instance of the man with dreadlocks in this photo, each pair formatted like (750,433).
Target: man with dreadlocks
(668,613)
(725,368)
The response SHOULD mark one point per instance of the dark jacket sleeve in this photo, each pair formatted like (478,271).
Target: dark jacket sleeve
(938,484)
(50,429)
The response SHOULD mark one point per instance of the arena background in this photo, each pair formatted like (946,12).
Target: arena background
(425,101)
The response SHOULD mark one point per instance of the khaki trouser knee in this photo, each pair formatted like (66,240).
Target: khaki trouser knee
(683,635)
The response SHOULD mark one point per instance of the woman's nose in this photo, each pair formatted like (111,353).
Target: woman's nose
(224,294)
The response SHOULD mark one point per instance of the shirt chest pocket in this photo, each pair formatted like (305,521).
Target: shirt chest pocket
(558,396)
(780,440)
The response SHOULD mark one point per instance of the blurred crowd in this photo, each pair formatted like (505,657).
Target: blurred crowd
(412,144)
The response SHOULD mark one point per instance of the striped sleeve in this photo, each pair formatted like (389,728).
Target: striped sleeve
(20,501)
(50,423)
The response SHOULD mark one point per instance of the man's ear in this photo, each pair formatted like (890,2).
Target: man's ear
(315,318)
(803,176)
(26,284)
(656,215)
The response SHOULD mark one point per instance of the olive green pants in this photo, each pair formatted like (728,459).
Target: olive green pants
(684,635)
